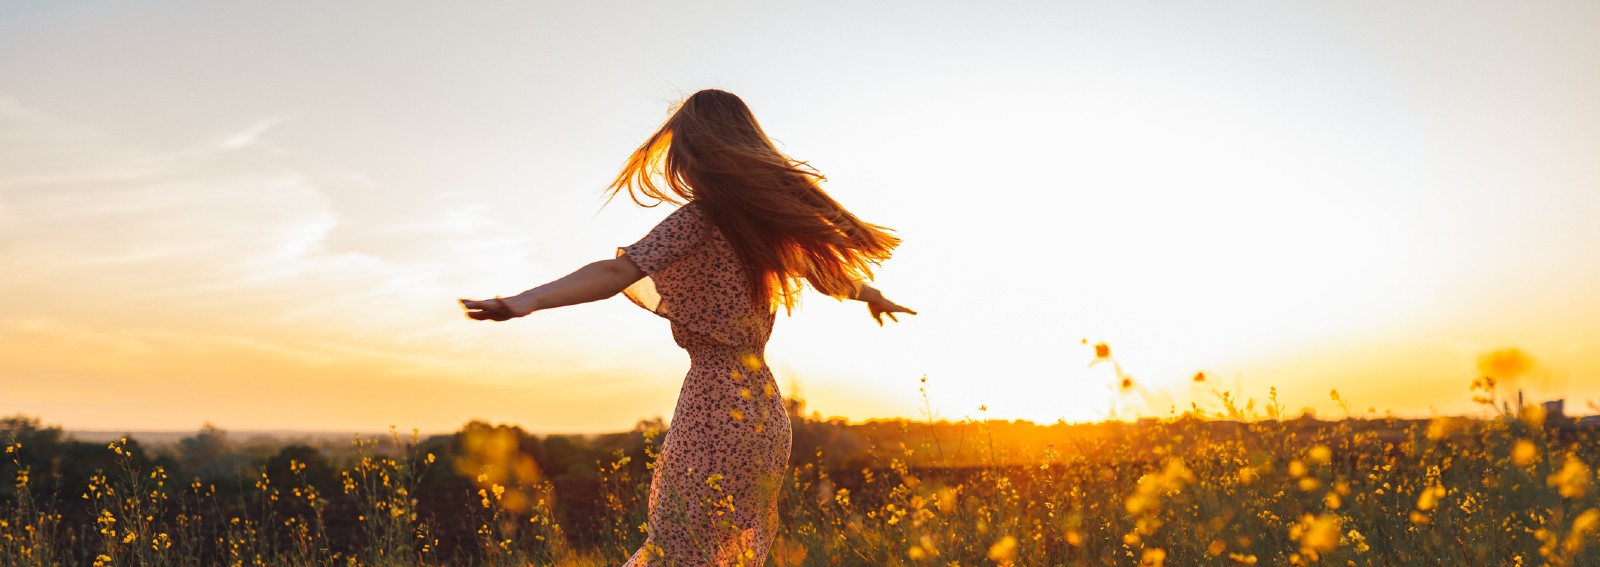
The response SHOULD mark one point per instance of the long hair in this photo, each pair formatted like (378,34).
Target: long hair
(769,206)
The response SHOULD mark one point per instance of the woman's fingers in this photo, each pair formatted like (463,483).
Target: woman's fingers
(487,310)
(878,310)
(477,304)
(897,308)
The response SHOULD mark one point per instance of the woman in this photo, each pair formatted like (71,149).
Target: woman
(753,222)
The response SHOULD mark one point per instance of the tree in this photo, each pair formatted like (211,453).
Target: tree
(205,454)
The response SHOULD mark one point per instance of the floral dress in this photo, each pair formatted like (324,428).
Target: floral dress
(713,498)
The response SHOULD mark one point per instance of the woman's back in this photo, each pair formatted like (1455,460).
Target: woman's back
(696,280)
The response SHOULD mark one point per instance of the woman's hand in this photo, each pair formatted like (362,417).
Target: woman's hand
(883,307)
(877,304)
(496,309)
(887,308)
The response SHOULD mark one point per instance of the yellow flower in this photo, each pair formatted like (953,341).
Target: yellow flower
(1587,521)
(945,499)
(1572,481)
(1505,364)
(1441,428)
(1004,550)
(1524,453)
(1316,534)
(916,553)
(1582,526)
(1430,497)
(1360,541)
(1320,454)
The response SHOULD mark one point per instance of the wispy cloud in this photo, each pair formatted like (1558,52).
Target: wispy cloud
(235,229)
(251,136)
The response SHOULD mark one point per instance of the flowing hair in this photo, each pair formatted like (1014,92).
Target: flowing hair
(769,206)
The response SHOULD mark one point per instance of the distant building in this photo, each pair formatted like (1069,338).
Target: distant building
(1555,410)
(1555,414)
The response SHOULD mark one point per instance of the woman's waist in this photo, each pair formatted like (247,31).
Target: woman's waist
(692,334)
(749,357)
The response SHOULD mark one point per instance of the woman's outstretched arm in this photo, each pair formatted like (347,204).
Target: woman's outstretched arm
(593,282)
(878,305)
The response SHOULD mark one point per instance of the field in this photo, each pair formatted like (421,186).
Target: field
(1516,487)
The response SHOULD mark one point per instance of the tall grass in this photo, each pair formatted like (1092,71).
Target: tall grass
(1515,488)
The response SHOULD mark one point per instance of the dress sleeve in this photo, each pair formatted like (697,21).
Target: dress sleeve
(673,237)
(668,241)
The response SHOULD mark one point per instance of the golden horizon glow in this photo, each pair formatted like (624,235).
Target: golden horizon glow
(1307,197)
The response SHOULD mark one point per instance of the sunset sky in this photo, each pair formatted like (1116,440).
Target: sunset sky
(260,214)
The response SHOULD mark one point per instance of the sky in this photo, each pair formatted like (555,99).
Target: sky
(260,215)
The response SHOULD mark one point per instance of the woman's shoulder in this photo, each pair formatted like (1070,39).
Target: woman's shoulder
(693,207)
(686,224)
(689,215)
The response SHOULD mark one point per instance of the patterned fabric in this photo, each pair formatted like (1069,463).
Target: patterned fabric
(713,498)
